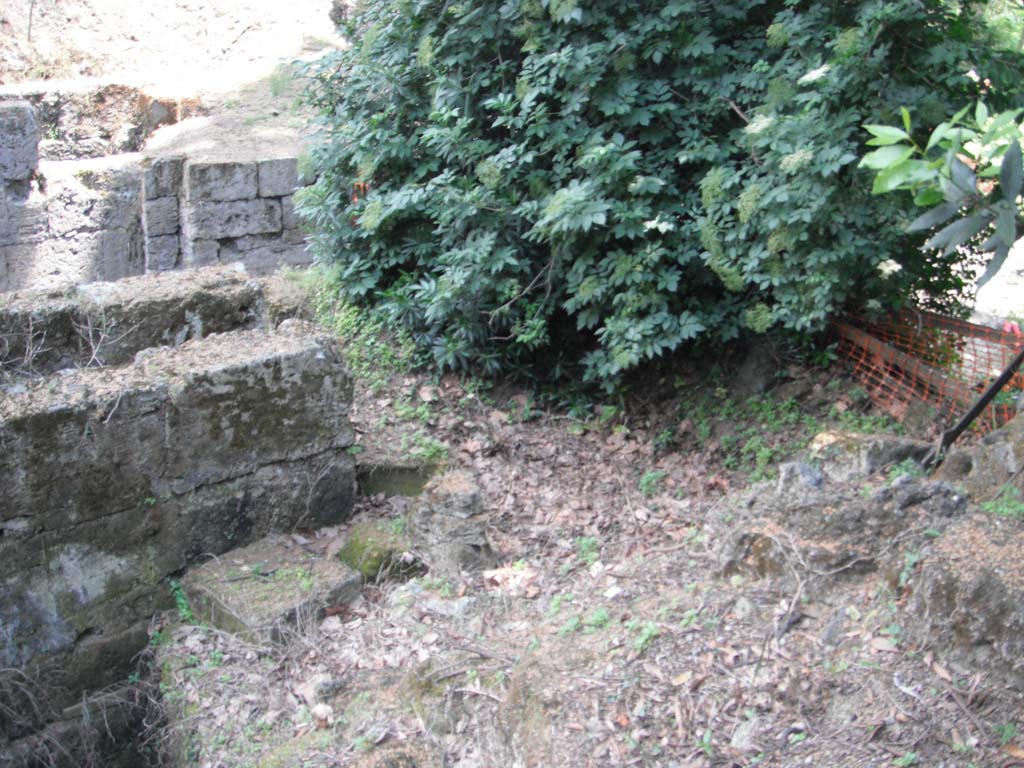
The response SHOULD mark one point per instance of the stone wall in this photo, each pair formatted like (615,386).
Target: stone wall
(197,213)
(117,478)
(76,221)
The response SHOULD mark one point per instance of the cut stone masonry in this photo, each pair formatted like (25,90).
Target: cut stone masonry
(117,478)
(70,222)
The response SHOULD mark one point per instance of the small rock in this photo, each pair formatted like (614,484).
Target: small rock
(331,625)
(323,714)
(742,608)
(743,736)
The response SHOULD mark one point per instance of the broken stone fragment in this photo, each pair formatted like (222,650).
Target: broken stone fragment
(989,465)
(379,549)
(448,519)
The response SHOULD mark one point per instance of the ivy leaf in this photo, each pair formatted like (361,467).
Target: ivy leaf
(1011,173)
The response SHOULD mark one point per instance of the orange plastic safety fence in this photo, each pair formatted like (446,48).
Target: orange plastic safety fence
(945,364)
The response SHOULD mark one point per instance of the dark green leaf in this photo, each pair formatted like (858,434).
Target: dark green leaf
(994,264)
(958,233)
(1011,173)
(934,217)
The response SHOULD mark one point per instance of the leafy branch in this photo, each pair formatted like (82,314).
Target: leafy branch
(968,174)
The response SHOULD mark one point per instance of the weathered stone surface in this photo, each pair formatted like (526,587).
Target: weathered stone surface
(278,178)
(217,220)
(284,297)
(199,253)
(107,323)
(832,526)
(26,222)
(19,141)
(996,460)
(289,219)
(116,478)
(845,456)
(160,216)
(970,591)
(376,550)
(220,182)
(448,519)
(265,253)
(162,177)
(162,252)
(270,587)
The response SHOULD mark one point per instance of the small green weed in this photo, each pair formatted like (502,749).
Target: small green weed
(704,744)
(1007,504)
(597,620)
(910,758)
(648,632)
(428,450)
(1006,732)
(906,468)
(557,602)
(586,550)
(650,482)
(303,576)
(571,626)
(181,602)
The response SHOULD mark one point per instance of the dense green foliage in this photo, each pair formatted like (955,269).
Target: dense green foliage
(554,183)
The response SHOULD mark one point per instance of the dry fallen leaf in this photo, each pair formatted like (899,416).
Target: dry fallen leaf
(942,672)
(514,579)
(883,645)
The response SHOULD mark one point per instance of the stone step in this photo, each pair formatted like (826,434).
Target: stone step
(269,589)
(118,478)
(108,323)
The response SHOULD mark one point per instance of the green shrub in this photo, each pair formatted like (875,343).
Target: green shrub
(534,185)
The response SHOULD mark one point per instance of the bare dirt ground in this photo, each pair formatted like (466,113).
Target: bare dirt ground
(231,59)
(612,630)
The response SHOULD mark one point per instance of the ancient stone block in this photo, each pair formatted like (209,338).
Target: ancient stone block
(288,218)
(26,221)
(162,252)
(199,253)
(447,522)
(160,216)
(115,478)
(278,178)
(265,253)
(267,588)
(162,177)
(220,181)
(217,220)
(19,140)
(110,322)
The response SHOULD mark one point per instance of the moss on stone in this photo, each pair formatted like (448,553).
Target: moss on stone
(379,549)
